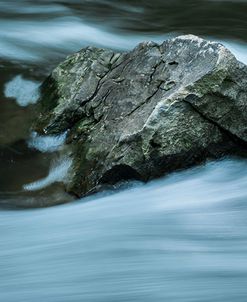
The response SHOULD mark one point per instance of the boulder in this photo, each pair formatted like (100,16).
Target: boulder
(147,112)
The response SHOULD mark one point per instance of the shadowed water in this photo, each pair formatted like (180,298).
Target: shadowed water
(181,238)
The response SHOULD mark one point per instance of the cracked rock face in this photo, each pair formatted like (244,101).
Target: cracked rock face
(150,111)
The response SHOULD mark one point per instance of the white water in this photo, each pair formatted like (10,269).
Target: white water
(46,143)
(182,238)
(59,168)
(37,40)
(58,173)
(67,33)
(71,34)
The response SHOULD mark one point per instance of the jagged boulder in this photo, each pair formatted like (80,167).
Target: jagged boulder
(150,111)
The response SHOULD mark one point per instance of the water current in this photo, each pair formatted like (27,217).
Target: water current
(180,238)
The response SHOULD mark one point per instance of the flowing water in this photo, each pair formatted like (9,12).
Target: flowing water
(180,238)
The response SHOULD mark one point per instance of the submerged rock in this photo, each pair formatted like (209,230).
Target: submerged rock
(150,111)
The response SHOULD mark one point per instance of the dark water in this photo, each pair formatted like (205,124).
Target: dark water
(181,238)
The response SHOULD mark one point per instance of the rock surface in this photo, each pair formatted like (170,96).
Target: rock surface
(151,111)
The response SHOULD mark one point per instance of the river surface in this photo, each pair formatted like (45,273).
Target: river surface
(179,238)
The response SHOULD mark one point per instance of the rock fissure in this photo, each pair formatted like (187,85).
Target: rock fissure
(146,100)
(231,136)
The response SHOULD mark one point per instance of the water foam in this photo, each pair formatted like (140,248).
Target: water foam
(25,92)
(46,143)
(58,173)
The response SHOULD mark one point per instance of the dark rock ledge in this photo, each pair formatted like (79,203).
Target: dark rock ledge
(141,114)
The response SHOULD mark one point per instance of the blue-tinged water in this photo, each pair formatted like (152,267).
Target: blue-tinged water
(180,238)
